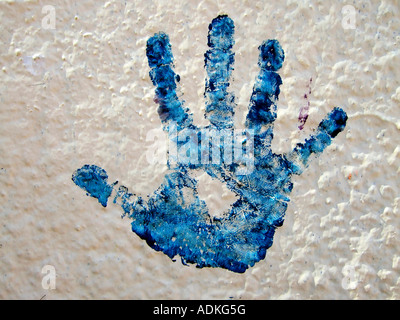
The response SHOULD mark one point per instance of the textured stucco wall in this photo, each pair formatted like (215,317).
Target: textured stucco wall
(78,91)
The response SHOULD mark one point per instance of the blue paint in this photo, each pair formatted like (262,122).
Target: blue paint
(303,116)
(174,220)
(93,180)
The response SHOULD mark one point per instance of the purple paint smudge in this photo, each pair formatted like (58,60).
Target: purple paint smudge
(303,116)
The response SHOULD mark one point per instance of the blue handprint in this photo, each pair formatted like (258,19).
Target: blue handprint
(174,219)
